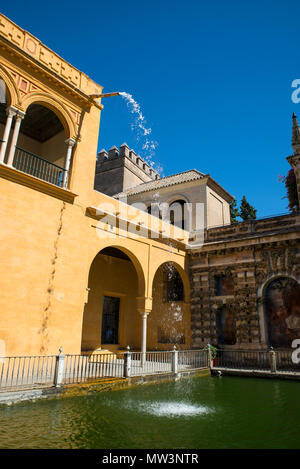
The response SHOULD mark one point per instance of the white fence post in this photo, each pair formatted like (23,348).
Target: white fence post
(127,363)
(59,370)
(273,361)
(175,360)
(208,356)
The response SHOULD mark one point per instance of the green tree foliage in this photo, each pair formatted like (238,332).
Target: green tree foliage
(291,190)
(234,212)
(247,212)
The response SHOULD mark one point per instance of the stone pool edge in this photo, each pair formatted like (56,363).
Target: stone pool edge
(83,389)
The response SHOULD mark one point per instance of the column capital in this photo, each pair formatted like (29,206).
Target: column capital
(144,304)
(19,117)
(11,111)
(20,114)
(144,314)
(70,142)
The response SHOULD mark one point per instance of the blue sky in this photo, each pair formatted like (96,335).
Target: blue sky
(213,80)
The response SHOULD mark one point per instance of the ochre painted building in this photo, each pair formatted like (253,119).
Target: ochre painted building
(58,286)
(83,269)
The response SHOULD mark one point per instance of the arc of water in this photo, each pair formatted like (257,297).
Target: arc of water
(143,132)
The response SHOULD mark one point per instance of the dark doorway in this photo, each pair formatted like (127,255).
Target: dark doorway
(226,327)
(110,320)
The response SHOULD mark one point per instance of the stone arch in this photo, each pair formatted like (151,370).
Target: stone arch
(176,197)
(183,220)
(183,275)
(13,92)
(110,318)
(277,318)
(169,320)
(53,103)
(135,261)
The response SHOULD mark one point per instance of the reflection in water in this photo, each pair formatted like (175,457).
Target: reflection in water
(199,413)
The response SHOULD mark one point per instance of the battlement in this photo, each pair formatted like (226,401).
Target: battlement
(105,158)
(120,169)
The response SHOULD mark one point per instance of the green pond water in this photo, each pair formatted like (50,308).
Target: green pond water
(205,412)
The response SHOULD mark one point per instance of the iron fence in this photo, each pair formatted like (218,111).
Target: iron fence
(30,372)
(284,361)
(27,372)
(192,359)
(150,363)
(243,359)
(262,360)
(83,368)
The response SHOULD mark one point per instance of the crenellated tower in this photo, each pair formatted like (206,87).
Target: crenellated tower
(121,169)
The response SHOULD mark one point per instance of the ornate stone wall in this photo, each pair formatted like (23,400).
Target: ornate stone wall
(251,260)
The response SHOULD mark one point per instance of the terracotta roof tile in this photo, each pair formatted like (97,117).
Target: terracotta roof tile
(171,180)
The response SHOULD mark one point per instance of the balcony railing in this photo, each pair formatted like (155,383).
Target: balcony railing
(36,166)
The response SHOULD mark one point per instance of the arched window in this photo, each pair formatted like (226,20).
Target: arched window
(177,214)
(154,209)
(37,144)
(174,289)
(41,145)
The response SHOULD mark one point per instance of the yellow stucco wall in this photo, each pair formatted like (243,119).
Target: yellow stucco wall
(118,278)
(46,250)
(48,238)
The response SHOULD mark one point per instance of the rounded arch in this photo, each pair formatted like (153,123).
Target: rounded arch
(279,309)
(177,198)
(179,211)
(135,261)
(270,278)
(53,103)
(169,320)
(14,96)
(183,275)
(110,315)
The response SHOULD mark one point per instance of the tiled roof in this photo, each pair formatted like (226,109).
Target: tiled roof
(172,180)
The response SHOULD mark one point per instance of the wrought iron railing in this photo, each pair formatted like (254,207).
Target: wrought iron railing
(34,372)
(34,165)
(27,372)
(82,368)
(284,361)
(261,360)
(192,359)
(150,363)
(31,372)
(243,359)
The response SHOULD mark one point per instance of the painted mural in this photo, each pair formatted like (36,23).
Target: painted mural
(282,308)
